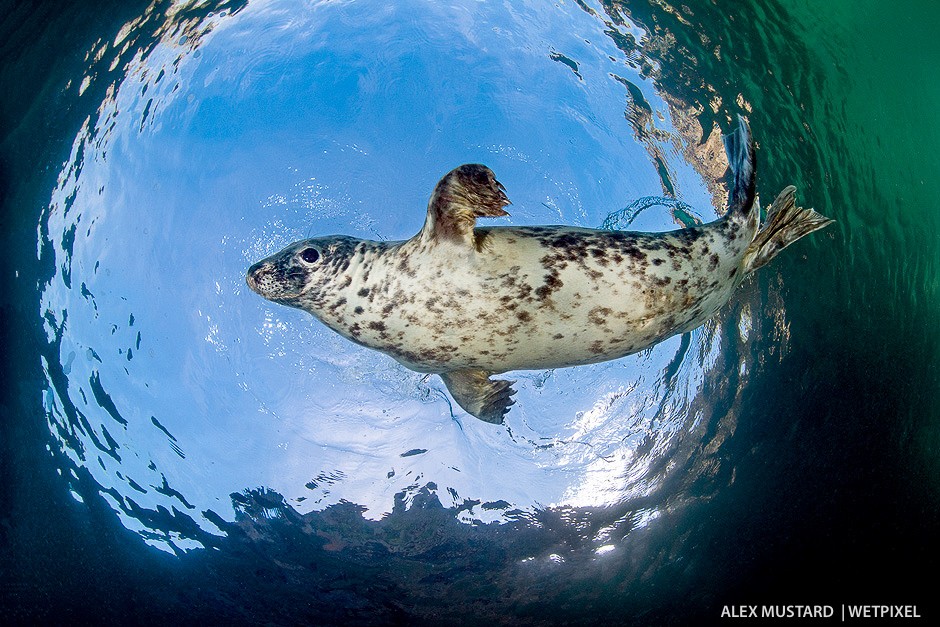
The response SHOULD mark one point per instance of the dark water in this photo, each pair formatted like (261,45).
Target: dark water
(166,457)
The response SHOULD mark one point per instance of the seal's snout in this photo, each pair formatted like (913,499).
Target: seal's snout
(253,276)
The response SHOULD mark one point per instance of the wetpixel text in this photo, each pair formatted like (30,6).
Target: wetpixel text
(843,612)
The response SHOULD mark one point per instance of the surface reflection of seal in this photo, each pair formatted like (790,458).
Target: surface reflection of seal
(468,302)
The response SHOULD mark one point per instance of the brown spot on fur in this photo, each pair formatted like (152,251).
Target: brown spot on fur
(598,315)
(688,236)
(552,283)
(635,253)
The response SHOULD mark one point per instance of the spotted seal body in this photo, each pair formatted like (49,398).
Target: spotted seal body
(467,302)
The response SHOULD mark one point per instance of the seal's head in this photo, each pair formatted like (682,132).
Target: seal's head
(298,275)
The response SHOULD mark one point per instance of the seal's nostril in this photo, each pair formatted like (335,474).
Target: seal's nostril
(252,276)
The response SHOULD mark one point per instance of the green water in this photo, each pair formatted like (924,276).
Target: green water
(880,141)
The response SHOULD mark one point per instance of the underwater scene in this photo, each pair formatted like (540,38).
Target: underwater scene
(176,447)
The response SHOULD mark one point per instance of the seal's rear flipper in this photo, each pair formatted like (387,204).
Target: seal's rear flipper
(739,146)
(785,224)
(480,396)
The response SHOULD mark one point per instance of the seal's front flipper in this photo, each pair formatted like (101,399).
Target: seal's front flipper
(480,396)
(785,224)
(463,195)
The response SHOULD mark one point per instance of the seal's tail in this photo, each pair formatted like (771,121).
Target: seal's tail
(740,149)
(785,224)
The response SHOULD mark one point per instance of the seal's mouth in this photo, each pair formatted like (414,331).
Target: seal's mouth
(269,281)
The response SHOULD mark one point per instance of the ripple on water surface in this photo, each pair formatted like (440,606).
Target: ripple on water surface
(218,136)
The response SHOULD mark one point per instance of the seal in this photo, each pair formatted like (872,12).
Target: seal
(468,302)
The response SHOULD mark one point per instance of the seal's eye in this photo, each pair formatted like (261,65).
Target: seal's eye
(310,255)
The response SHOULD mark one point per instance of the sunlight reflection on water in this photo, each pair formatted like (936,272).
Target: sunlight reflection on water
(224,135)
